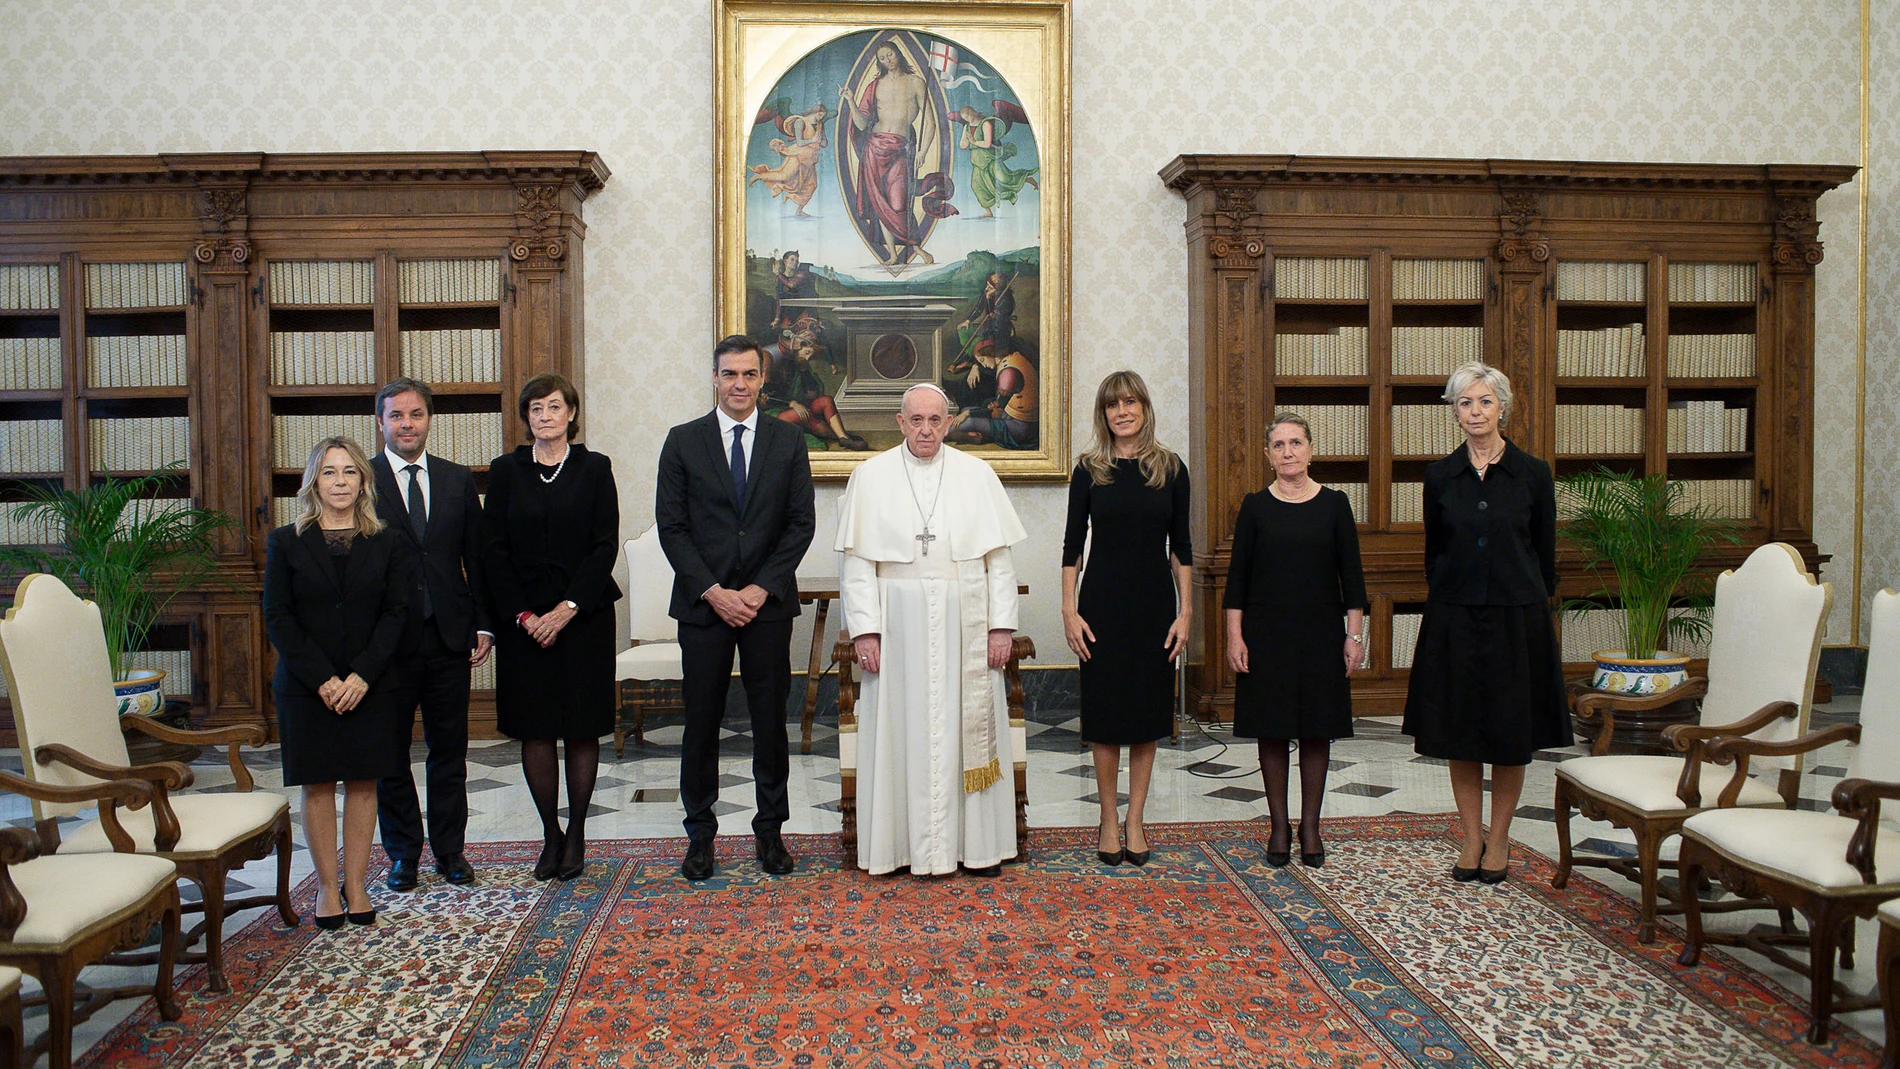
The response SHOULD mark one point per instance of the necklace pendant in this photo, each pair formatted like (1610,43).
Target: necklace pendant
(925,539)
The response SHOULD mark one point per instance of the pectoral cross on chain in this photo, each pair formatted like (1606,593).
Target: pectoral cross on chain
(925,539)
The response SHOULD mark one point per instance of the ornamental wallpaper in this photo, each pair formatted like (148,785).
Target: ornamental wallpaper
(1728,81)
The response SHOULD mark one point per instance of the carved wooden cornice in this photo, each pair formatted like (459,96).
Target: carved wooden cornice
(1184,173)
(584,171)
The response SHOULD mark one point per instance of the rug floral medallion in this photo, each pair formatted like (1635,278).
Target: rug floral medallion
(1205,957)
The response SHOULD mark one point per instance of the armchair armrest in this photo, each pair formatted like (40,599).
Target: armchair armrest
(109,794)
(1691,739)
(1739,748)
(1860,800)
(1602,706)
(17,846)
(230,737)
(167,775)
(845,656)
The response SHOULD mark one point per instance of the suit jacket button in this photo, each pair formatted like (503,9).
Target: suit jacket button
(741,534)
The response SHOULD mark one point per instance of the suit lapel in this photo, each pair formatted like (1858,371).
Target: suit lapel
(387,487)
(765,447)
(720,458)
(319,550)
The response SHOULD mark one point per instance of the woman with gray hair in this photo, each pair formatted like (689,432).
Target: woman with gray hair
(1487,679)
(1295,574)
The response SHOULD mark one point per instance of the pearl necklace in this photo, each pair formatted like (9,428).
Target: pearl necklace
(557,467)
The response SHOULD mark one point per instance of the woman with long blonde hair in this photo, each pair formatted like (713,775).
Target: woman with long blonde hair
(1128,621)
(336,597)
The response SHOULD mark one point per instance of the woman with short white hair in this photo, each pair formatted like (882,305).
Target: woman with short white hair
(1487,678)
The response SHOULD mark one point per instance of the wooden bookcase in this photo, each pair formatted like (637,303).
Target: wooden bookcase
(229,310)
(1652,318)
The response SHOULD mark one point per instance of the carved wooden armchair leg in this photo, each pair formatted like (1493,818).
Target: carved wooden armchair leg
(1022,649)
(845,656)
(1888,971)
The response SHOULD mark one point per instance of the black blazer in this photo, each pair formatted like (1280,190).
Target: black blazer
(706,538)
(1491,541)
(450,552)
(326,627)
(552,542)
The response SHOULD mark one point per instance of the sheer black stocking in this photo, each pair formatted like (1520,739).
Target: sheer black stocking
(583,765)
(539,768)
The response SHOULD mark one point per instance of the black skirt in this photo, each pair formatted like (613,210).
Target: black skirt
(316,745)
(565,691)
(1487,684)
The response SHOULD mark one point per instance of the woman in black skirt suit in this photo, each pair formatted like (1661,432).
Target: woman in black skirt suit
(1129,499)
(1487,678)
(1295,573)
(554,529)
(335,603)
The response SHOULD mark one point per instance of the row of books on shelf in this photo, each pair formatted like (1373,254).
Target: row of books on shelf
(322,357)
(1615,429)
(1609,352)
(1438,280)
(1355,496)
(1408,502)
(1338,430)
(294,436)
(32,445)
(141,443)
(29,287)
(1587,632)
(1319,279)
(1596,280)
(1730,498)
(1435,350)
(1341,351)
(1711,356)
(1405,637)
(1706,427)
(18,528)
(294,282)
(452,355)
(136,360)
(470,438)
(176,664)
(1691,283)
(136,285)
(30,364)
(449,281)
(1424,431)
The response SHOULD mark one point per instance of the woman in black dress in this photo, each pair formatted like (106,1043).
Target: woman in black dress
(336,588)
(554,529)
(1487,677)
(1129,499)
(1294,574)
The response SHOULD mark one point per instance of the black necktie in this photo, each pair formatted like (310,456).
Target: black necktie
(738,465)
(418,520)
(418,508)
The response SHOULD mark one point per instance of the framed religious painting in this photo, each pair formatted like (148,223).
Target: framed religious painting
(893,209)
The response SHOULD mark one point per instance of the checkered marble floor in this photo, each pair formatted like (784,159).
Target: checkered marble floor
(1205,776)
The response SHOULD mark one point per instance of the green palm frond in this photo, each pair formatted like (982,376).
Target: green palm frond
(1641,539)
(129,552)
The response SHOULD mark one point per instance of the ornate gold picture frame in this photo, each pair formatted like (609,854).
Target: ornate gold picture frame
(893,209)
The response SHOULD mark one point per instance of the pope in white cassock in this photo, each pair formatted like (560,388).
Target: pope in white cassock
(929,597)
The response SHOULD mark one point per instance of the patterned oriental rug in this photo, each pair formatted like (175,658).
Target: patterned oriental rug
(1206,957)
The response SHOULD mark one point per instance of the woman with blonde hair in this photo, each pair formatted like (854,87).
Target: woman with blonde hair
(336,597)
(1128,499)
(1487,679)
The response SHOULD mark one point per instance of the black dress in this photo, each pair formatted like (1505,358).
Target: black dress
(1136,532)
(1487,674)
(1295,572)
(336,603)
(549,542)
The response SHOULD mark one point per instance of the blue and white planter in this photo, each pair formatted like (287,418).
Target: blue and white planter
(140,693)
(1639,676)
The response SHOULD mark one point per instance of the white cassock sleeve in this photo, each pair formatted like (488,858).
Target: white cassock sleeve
(1000,569)
(858,592)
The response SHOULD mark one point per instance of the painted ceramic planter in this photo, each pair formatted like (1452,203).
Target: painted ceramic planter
(1639,676)
(139,694)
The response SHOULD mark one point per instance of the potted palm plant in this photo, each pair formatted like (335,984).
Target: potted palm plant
(1641,539)
(129,552)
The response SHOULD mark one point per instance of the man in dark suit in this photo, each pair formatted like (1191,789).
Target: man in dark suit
(433,503)
(735,516)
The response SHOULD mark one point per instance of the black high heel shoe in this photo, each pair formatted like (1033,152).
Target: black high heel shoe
(550,861)
(1497,875)
(571,869)
(1280,859)
(1110,858)
(365,918)
(1312,859)
(331,923)
(1136,858)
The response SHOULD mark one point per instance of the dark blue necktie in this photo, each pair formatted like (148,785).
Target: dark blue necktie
(738,465)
